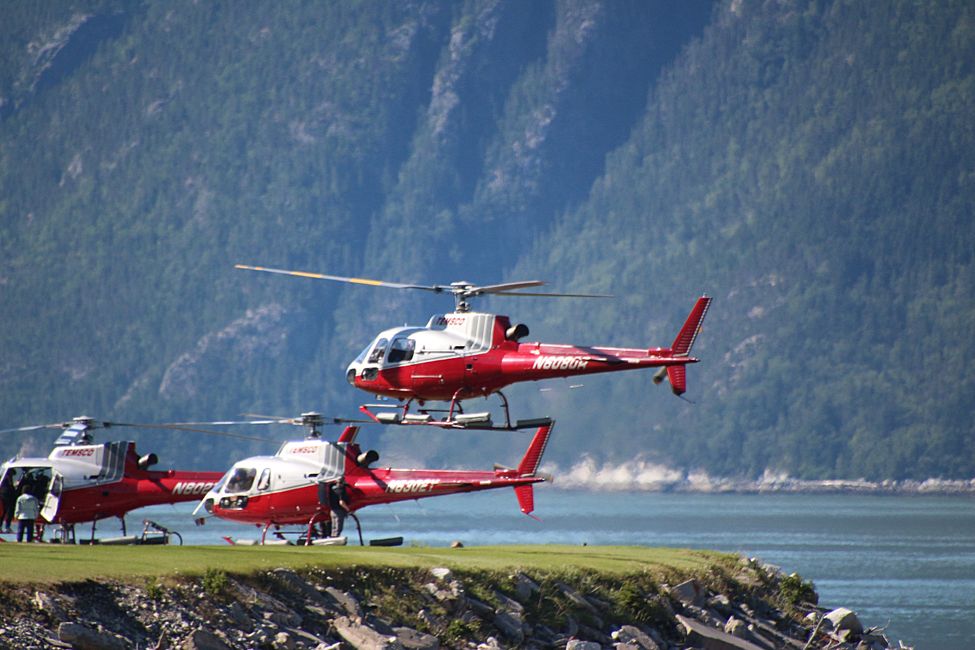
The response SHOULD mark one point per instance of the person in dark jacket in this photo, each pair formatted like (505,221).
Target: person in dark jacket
(338,505)
(8,497)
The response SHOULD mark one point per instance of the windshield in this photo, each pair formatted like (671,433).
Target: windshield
(240,480)
(219,484)
(362,355)
(376,356)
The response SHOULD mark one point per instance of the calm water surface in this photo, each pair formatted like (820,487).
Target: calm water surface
(907,562)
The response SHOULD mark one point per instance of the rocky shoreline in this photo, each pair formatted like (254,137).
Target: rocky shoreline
(748,606)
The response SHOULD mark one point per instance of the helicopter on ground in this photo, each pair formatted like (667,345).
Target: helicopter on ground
(465,354)
(283,489)
(83,481)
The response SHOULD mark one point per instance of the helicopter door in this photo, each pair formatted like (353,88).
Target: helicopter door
(400,352)
(50,509)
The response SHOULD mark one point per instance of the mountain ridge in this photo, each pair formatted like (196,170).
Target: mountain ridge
(808,164)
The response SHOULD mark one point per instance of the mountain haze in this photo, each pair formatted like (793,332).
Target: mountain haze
(808,164)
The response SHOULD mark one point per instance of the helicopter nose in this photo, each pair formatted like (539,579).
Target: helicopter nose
(350,376)
(206,504)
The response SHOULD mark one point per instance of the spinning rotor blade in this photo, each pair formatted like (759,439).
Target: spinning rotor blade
(32,428)
(261,416)
(461,290)
(83,420)
(554,295)
(339,278)
(182,426)
(103,424)
(306,419)
(230,423)
(302,420)
(474,290)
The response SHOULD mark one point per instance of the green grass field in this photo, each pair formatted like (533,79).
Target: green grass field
(52,563)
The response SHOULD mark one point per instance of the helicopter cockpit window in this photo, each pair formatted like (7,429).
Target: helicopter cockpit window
(378,351)
(362,355)
(265,481)
(241,480)
(401,349)
(223,479)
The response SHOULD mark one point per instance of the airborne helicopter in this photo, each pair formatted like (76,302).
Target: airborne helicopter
(466,354)
(283,489)
(83,481)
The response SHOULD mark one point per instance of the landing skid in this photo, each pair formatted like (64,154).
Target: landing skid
(311,531)
(455,417)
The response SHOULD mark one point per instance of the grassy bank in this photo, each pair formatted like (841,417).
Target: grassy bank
(300,597)
(51,563)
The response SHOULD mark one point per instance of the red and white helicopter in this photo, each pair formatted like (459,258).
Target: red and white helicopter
(466,354)
(81,481)
(283,489)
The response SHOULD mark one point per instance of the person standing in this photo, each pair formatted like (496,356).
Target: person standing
(8,497)
(26,511)
(338,505)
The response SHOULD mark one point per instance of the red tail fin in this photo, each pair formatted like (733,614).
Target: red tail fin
(349,433)
(533,456)
(685,338)
(529,465)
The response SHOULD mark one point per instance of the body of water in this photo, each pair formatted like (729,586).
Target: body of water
(904,562)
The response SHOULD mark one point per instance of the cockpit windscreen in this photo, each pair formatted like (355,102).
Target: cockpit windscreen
(240,480)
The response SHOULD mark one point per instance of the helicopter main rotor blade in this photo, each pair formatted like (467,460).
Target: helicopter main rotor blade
(81,421)
(261,416)
(530,294)
(461,291)
(324,421)
(340,278)
(32,428)
(229,423)
(179,426)
(503,287)
(186,426)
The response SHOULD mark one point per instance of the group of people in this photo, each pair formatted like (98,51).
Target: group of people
(20,503)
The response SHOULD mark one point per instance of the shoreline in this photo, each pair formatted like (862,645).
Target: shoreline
(489,599)
(929,487)
(729,486)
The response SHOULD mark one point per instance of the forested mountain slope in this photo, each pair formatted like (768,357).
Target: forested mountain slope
(807,163)
(810,164)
